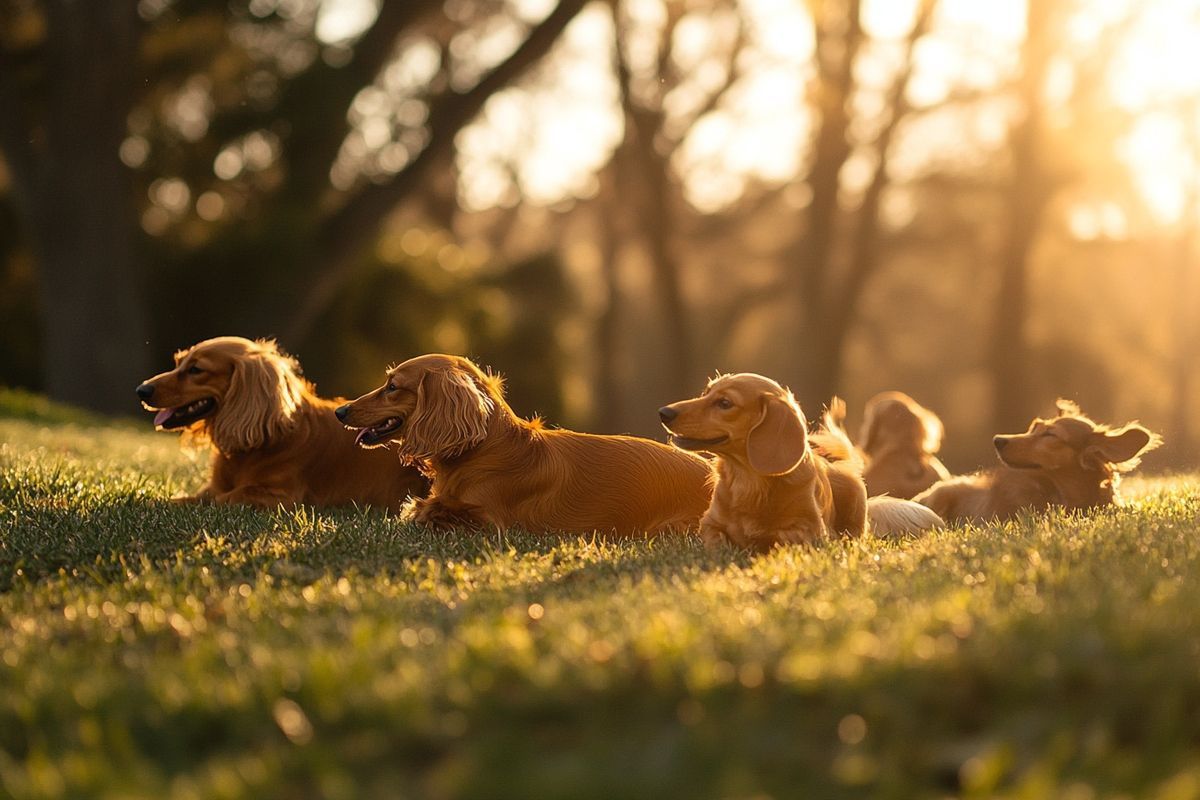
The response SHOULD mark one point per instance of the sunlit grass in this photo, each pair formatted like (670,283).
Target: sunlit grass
(155,650)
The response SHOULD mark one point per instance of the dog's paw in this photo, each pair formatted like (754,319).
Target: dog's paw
(438,514)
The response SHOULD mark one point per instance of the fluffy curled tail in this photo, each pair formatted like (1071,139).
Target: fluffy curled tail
(892,518)
(831,439)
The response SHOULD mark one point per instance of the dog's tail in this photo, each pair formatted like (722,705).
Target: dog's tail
(893,518)
(831,439)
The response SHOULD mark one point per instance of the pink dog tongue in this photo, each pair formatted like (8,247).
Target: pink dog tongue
(163,415)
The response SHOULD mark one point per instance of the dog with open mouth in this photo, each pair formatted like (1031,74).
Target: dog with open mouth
(492,468)
(778,483)
(274,440)
(1067,461)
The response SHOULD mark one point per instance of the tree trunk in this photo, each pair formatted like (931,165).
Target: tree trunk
(609,410)
(93,318)
(838,41)
(1028,194)
(1181,434)
(647,181)
(346,234)
(658,231)
(864,259)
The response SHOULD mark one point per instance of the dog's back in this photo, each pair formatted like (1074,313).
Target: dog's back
(998,493)
(577,482)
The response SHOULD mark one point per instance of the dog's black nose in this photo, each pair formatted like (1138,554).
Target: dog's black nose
(999,442)
(342,411)
(145,391)
(666,414)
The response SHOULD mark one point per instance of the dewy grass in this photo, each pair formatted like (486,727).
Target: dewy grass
(149,649)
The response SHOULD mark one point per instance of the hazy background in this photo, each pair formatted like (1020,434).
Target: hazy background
(985,204)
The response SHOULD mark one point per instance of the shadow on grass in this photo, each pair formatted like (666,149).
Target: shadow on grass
(43,534)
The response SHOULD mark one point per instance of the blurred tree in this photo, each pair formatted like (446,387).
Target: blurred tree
(831,275)
(648,195)
(66,86)
(243,110)
(1030,187)
(18,302)
(347,231)
(1184,285)
(1043,160)
(523,339)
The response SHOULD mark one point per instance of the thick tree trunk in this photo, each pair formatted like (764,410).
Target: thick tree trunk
(1028,195)
(93,318)
(609,410)
(839,35)
(648,183)
(658,231)
(864,258)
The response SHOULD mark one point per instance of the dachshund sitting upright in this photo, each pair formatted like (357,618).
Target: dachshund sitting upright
(777,483)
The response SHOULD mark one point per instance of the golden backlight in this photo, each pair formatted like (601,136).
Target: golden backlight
(546,139)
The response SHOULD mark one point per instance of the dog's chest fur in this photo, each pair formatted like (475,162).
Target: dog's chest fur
(755,510)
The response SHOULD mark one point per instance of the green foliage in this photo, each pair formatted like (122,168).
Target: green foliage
(149,649)
(20,404)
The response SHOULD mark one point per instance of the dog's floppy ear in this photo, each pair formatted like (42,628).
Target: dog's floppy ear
(1121,448)
(451,415)
(934,431)
(779,442)
(868,435)
(264,392)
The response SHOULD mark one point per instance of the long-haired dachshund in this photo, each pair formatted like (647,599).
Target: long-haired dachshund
(275,441)
(492,468)
(776,482)
(1067,461)
(899,438)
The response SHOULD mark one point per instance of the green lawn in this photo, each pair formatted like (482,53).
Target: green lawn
(154,650)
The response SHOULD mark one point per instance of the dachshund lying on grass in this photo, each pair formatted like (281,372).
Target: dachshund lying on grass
(492,468)
(776,482)
(899,439)
(1066,461)
(275,441)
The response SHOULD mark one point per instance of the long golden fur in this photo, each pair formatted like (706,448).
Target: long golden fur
(899,440)
(274,440)
(1067,461)
(777,483)
(492,468)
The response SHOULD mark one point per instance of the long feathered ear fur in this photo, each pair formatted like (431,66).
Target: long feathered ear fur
(920,425)
(1120,449)
(451,416)
(870,430)
(264,393)
(934,431)
(779,442)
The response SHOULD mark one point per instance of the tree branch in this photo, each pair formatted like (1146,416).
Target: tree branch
(313,143)
(348,231)
(864,259)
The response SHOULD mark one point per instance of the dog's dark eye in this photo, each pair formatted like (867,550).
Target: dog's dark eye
(723,402)
(194,370)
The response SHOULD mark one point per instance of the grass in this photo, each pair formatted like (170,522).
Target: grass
(162,651)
